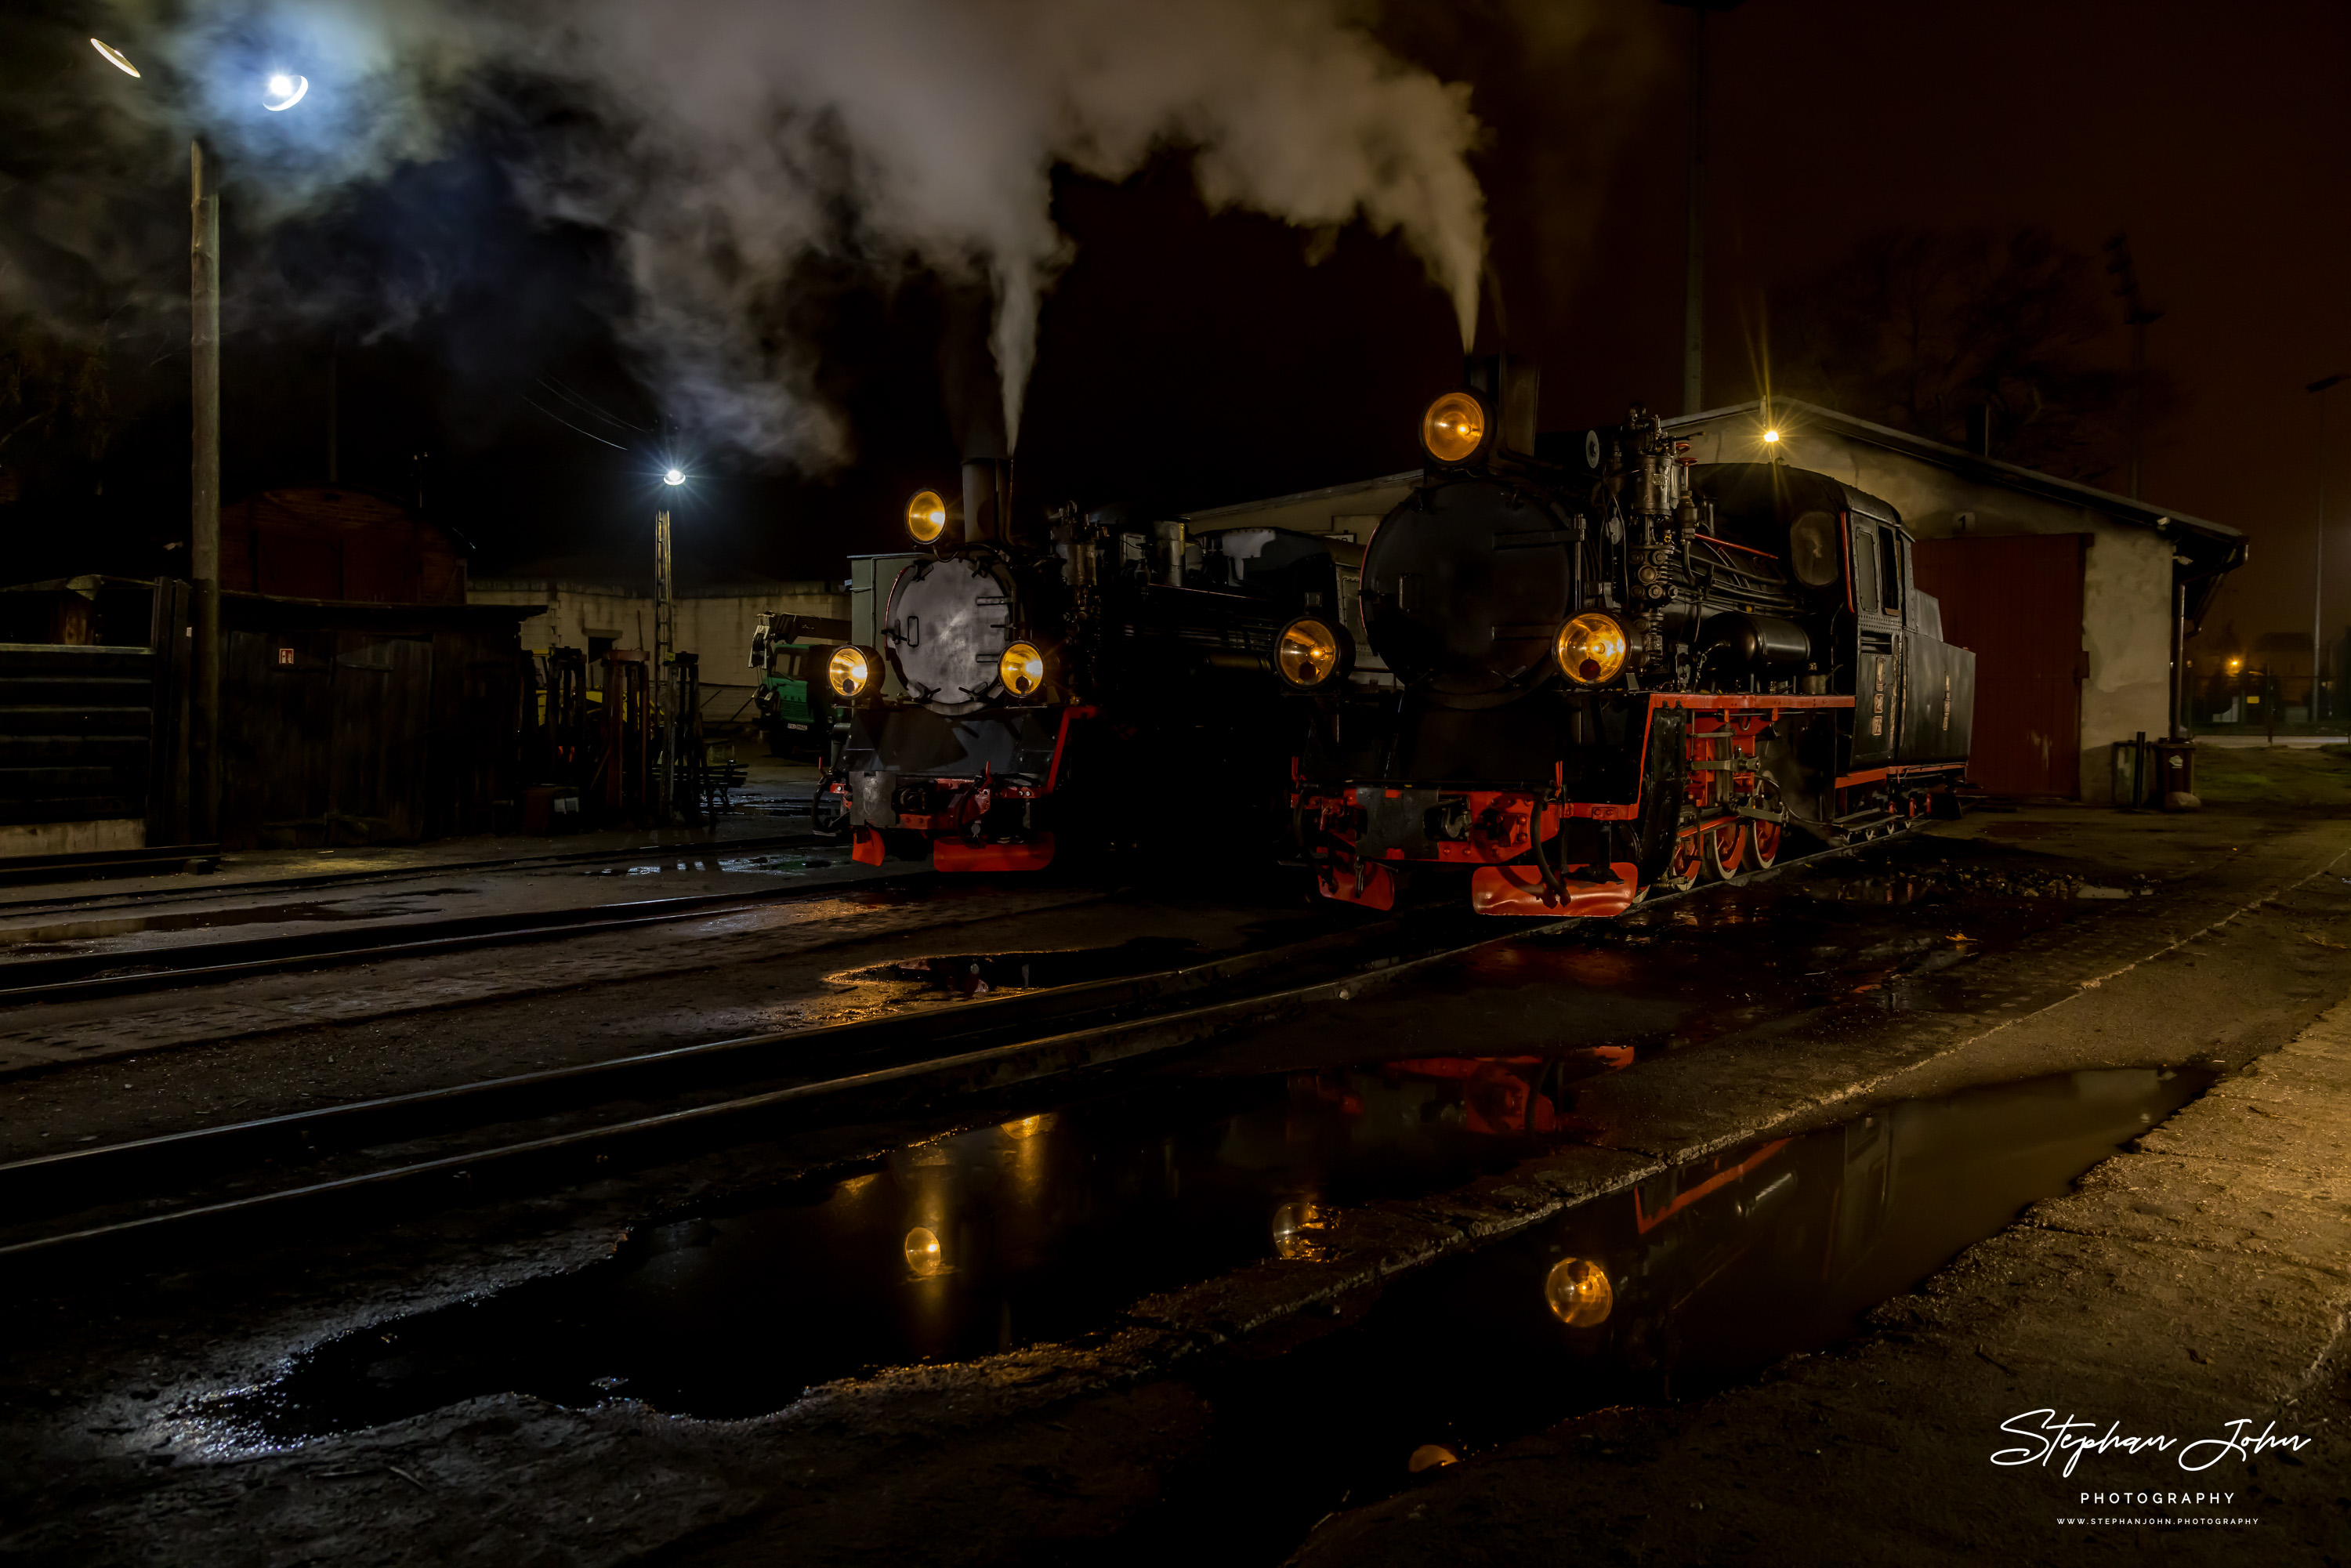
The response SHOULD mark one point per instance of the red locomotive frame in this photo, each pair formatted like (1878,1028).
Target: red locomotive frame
(1728,822)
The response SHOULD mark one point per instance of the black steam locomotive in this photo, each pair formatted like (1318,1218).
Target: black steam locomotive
(1012,686)
(1610,670)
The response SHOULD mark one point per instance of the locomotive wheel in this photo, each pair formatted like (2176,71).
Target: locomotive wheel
(1723,845)
(1689,859)
(1762,844)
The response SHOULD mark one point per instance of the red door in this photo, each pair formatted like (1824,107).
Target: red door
(2017,603)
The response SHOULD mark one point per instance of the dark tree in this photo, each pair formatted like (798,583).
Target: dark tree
(1926,331)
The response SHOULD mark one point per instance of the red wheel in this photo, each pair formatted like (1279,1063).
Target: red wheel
(1762,843)
(1689,859)
(1722,845)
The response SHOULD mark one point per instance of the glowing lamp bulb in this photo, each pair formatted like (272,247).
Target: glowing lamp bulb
(114,56)
(1770,435)
(674,476)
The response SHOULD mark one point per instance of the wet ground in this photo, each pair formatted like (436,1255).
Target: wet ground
(1045,1228)
(1187,1310)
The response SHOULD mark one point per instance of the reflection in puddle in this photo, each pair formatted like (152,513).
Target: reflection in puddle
(1697,1277)
(1052,1226)
(1042,1229)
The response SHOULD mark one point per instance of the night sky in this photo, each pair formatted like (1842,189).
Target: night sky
(1200,359)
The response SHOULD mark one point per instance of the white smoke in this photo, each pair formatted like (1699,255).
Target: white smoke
(729,138)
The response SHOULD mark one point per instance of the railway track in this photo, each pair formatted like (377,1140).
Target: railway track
(148,1198)
(564,1124)
(203,886)
(83,975)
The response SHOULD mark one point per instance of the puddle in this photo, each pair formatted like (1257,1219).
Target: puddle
(1693,1280)
(1050,1229)
(44,940)
(1040,1230)
(977,974)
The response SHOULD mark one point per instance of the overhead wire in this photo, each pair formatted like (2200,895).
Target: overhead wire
(569,425)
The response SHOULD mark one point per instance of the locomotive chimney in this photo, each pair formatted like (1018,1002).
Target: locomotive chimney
(988,500)
(1512,386)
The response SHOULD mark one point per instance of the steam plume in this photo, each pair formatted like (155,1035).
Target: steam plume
(726,141)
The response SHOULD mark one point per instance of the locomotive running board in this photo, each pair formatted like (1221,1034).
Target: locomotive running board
(1518,889)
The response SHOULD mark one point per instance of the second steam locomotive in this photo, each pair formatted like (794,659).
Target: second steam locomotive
(1016,688)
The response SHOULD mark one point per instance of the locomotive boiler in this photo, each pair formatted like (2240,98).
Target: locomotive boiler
(1609,669)
(1101,677)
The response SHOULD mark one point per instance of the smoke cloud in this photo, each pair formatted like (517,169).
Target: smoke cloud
(723,142)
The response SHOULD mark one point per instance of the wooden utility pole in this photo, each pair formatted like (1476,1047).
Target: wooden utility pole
(203,503)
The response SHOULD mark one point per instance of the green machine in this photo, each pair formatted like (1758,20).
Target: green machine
(795,708)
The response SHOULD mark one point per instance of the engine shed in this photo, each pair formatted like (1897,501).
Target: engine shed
(2074,600)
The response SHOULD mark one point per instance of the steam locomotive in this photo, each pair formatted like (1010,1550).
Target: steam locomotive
(1011,687)
(1609,669)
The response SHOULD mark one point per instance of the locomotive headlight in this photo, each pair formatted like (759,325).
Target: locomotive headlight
(926,517)
(1591,649)
(1578,1292)
(1456,429)
(1022,669)
(1311,653)
(850,671)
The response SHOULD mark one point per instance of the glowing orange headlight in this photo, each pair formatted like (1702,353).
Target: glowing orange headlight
(1455,428)
(1591,649)
(926,517)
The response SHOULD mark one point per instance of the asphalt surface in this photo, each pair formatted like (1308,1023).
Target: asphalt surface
(2199,1276)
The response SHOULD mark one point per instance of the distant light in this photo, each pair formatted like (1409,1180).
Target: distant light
(114,56)
(674,476)
(285,92)
(1769,435)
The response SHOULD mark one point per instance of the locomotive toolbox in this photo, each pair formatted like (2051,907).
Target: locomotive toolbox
(1619,670)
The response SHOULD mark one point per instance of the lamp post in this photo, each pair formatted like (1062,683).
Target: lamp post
(282,91)
(2319,388)
(665,644)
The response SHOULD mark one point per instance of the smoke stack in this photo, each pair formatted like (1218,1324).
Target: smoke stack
(1512,386)
(988,500)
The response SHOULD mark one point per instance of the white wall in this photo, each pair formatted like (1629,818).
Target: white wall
(715,626)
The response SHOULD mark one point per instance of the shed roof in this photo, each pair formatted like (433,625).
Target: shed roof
(1970,465)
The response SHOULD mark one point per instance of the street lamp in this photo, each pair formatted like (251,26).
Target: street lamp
(2320,388)
(666,645)
(204,467)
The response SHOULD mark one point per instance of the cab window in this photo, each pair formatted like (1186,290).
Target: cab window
(1889,574)
(1864,568)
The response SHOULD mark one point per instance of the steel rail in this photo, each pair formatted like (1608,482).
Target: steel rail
(229,887)
(211,963)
